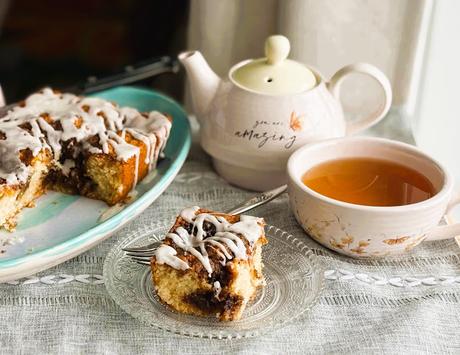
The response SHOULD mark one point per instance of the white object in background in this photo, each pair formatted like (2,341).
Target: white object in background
(251,129)
(436,118)
(2,97)
(370,231)
(327,34)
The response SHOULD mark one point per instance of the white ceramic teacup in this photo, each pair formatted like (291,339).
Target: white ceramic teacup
(370,231)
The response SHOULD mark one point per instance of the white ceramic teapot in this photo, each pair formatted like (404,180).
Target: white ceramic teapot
(252,121)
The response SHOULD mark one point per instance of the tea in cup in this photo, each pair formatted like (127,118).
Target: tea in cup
(370,197)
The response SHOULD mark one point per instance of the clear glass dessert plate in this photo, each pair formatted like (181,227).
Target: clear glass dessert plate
(293,274)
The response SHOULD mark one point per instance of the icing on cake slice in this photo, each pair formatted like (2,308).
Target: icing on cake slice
(210,263)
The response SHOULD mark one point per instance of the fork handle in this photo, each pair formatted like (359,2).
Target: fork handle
(130,74)
(258,200)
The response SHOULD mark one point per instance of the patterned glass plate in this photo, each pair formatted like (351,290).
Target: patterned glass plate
(293,274)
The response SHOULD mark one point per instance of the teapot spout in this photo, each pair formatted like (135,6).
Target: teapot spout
(203,81)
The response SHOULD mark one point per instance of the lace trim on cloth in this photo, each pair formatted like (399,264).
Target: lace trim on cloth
(331,275)
(103,301)
(396,281)
(94,279)
(371,300)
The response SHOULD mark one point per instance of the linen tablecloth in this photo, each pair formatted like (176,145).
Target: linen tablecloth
(409,304)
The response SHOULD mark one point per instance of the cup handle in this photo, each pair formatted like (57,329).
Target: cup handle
(364,68)
(450,230)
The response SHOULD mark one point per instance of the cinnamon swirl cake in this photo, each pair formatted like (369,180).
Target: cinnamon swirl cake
(210,263)
(76,145)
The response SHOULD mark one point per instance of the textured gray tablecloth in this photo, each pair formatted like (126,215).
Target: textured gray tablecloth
(405,305)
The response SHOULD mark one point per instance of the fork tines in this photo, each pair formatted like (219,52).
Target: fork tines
(141,254)
(150,248)
(141,260)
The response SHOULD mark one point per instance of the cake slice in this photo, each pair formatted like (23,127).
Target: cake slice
(76,145)
(210,263)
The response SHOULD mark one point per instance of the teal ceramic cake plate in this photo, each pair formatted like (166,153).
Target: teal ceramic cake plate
(63,226)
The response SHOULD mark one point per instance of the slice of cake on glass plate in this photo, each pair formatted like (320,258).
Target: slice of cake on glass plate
(76,145)
(210,263)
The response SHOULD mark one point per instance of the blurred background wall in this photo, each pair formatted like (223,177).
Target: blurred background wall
(435,113)
(55,42)
(58,42)
(326,34)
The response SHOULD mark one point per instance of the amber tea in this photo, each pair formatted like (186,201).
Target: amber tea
(369,181)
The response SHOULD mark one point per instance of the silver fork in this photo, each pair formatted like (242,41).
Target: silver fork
(142,255)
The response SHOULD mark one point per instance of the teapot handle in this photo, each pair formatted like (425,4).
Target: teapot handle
(364,68)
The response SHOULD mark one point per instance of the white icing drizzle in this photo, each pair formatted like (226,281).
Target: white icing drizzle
(167,255)
(79,118)
(67,166)
(227,238)
(247,227)
(217,289)
(188,214)
(111,211)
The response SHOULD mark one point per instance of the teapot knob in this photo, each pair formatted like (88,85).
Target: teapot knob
(277,49)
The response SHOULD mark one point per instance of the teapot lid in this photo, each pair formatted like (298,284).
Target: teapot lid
(274,74)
